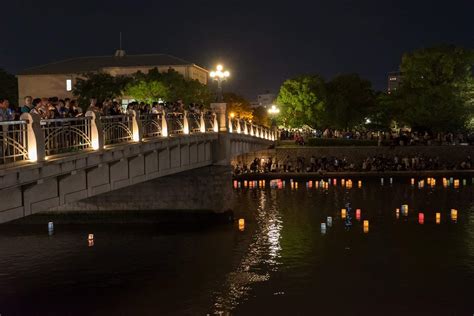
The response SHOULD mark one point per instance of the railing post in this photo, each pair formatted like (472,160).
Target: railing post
(97,134)
(202,124)
(246,130)
(136,126)
(164,125)
(185,123)
(230,125)
(238,126)
(221,112)
(36,147)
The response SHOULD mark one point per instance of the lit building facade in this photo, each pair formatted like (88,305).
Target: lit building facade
(394,81)
(58,78)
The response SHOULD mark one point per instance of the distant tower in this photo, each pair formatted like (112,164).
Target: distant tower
(394,81)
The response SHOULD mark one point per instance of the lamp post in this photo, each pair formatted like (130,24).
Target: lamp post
(273,112)
(219,75)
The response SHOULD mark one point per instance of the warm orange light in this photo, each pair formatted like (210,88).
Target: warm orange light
(241,224)
(454,214)
(343,213)
(90,237)
(358,214)
(438,218)
(412,181)
(359,184)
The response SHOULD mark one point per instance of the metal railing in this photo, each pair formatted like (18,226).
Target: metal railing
(210,122)
(117,128)
(66,135)
(13,141)
(151,125)
(93,132)
(194,121)
(175,123)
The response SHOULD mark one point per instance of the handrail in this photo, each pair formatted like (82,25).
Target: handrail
(61,135)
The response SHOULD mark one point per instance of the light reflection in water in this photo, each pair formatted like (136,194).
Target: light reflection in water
(262,255)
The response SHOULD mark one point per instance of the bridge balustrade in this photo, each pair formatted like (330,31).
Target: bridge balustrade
(13,141)
(92,132)
(66,135)
(117,129)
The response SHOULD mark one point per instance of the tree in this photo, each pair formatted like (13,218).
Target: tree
(8,87)
(146,91)
(99,85)
(238,105)
(260,116)
(302,101)
(178,88)
(437,91)
(349,101)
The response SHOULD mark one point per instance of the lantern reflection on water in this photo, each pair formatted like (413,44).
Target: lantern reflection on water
(241,224)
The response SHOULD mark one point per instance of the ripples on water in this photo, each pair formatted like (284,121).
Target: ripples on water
(281,263)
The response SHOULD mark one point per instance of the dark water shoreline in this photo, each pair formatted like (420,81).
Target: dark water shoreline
(467,174)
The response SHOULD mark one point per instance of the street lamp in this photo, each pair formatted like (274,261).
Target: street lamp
(219,75)
(273,110)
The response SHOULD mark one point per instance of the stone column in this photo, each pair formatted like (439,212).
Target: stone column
(97,134)
(221,149)
(136,126)
(36,147)
(221,111)
(164,125)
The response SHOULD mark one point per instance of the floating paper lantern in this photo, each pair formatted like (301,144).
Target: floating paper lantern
(235,184)
(334,181)
(464,182)
(245,183)
(391,180)
(241,224)
(343,182)
(397,213)
(381,181)
(359,184)
(329,221)
(438,218)
(412,181)
(421,218)
(454,214)
(358,214)
(323,226)
(366,229)
(343,213)
(296,185)
(456,183)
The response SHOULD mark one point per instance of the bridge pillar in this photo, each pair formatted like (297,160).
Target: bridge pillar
(221,151)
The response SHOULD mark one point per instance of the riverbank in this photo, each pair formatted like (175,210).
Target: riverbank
(462,174)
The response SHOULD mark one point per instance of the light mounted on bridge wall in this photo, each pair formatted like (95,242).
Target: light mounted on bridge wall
(273,110)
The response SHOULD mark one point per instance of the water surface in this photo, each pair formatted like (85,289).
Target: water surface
(281,263)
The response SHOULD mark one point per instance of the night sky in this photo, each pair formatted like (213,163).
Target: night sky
(261,43)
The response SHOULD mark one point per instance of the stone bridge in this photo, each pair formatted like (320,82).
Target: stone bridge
(46,164)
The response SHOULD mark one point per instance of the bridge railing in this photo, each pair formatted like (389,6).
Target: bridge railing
(151,124)
(13,141)
(35,139)
(117,129)
(66,135)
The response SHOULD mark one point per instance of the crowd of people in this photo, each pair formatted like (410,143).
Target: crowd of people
(400,137)
(54,108)
(336,164)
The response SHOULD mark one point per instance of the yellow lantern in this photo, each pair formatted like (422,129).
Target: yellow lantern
(359,184)
(456,183)
(342,182)
(343,213)
(366,229)
(454,214)
(241,224)
(438,218)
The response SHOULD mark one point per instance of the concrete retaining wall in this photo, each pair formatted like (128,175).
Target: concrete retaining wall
(447,154)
